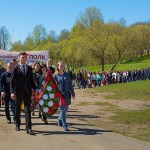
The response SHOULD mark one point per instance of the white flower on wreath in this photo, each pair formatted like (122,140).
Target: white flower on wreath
(39,90)
(41,102)
(43,82)
(45,96)
(48,88)
(50,103)
(51,95)
(45,109)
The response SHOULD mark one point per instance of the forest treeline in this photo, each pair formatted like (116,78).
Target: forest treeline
(91,41)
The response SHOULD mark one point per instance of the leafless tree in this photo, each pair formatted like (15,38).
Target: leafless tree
(4,38)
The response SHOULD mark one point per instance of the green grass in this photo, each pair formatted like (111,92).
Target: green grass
(136,123)
(145,59)
(139,90)
(132,117)
(83,104)
(138,64)
(119,67)
(107,106)
(103,103)
(143,135)
(132,123)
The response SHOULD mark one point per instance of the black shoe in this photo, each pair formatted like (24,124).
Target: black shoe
(45,121)
(33,114)
(40,116)
(29,131)
(17,128)
(9,121)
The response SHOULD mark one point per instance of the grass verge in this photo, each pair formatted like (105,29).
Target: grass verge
(130,123)
(139,90)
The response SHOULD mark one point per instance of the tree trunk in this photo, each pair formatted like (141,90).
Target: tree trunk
(103,64)
(113,67)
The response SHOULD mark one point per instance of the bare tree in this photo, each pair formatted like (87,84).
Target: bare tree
(4,38)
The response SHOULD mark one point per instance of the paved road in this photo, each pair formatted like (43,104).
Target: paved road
(82,136)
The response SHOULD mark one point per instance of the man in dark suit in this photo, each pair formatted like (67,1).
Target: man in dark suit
(21,86)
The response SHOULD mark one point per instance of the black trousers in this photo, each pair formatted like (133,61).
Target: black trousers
(7,101)
(44,116)
(0,99)
(27,103)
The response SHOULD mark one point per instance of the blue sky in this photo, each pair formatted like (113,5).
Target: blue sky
(21,16)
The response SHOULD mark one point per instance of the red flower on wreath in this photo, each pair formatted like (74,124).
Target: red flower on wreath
(49,76)
(51,111)
(48,79)
(57,94)
(56,104)
(54,86)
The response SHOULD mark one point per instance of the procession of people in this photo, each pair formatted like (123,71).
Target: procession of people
(25,87)
(32,86)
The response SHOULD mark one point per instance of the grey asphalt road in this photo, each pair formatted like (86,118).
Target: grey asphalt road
(82,136)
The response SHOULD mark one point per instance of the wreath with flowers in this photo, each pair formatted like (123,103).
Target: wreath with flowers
(48,96)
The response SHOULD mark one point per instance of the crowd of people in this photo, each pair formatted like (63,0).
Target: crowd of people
(19,80)
(85,79)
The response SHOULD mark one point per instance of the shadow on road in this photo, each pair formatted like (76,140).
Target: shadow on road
(74,128)
(82,131)
(82,116)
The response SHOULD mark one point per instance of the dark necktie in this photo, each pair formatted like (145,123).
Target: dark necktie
(23,70)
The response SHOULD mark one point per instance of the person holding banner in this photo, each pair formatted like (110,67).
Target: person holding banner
(64,83)
(21,86)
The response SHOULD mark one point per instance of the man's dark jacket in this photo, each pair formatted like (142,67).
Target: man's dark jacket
(20,83)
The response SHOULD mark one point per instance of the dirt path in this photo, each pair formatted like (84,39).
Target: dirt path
(81,136)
